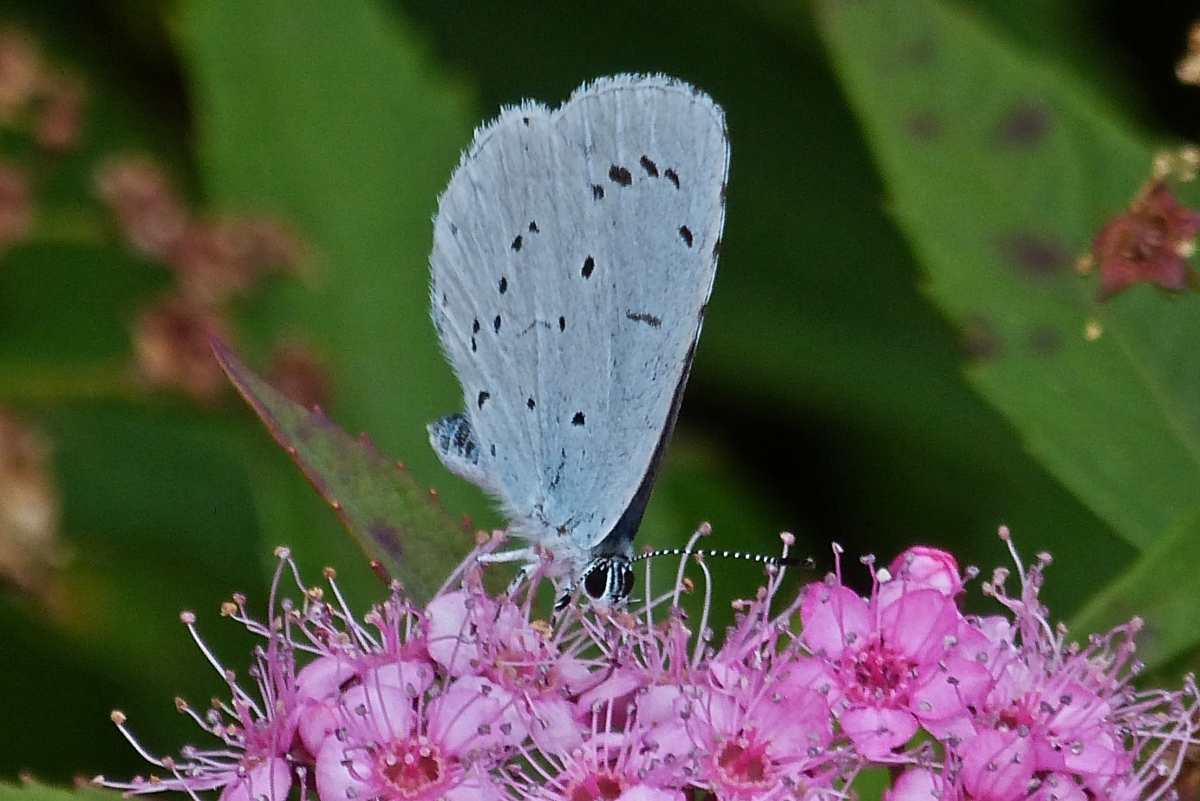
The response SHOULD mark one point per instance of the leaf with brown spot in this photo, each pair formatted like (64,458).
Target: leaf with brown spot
(1026,169)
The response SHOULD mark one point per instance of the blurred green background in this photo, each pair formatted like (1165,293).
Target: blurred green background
(893,354)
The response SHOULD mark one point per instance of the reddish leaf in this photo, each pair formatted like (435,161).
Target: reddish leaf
(393,520)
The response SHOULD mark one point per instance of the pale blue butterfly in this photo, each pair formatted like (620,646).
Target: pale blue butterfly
(574,253)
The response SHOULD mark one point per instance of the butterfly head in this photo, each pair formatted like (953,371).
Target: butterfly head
(607,581)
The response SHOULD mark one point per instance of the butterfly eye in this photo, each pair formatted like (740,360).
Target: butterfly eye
(595,581)
(624,579)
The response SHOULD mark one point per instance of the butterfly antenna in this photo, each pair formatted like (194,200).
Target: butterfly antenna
(761,558)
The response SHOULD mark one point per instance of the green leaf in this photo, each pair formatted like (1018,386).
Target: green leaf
(43,360)
(1150,589)
(999,170)
(326,113)
(392,519)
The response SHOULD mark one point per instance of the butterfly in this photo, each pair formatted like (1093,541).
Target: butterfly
(574,253)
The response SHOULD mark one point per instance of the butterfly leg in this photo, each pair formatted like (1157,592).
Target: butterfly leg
(527,555)
(515,555)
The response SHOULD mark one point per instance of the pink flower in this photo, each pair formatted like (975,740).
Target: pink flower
(997,766)
(474,699)
(1068,724)
(396,746)
(892,665)
(256,734)
(634,746)
(919,784)
(1059,713)
(759,727)
(470,634)
(921,567)
(597,773)
(760,734)
(270,780)
(317,686)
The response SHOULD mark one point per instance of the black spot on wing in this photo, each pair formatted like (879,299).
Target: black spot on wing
(475,326)
(455,435)
(644,317)
(589,264)
(533,229)
(529,402)
(649,166)
(597,192)
(559,471)
(483,396)
(686,234)
(503,285)
(516,243)
(533,325)
(562,323)
(671,176)
(577,420)
(620,175)
(496,324)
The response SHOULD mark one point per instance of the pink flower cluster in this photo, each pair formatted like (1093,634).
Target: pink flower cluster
(474,698)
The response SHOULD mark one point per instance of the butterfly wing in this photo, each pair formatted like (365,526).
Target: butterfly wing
(509,227)
(574,252)
(656,153)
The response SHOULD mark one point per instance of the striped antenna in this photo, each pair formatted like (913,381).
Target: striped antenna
(765,559)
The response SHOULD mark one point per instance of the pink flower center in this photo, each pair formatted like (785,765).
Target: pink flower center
(596,787)
(1017,714)
(410,766)
(877,674)
(516,669)
(743,764)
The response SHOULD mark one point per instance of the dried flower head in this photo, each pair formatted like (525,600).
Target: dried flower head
(20,73)
(1149,243)
(1188,68)
(29,504)
(225,258)
(170,342)
(59,117)
(147,208)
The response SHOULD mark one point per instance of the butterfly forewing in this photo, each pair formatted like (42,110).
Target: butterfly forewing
(657,160)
